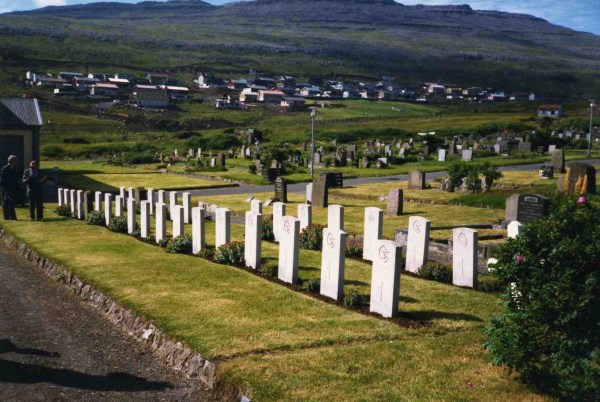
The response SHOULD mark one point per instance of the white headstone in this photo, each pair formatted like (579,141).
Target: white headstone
(442,155)
(66,196)
(73,201)
(305,215)
(131,222)
(385,278)
(161,221)
(145,219)
(288,250)
(131,192)
(150,197)
(333,263)
(497,149)
(514,229)
(467,155)
(335,217)
(256,206)
(187,207)
(464,257)
(373,231)
(223,220)
(309,188)
(551,149)
(172,201)
(177,218)
(118,206)
(198,233)
(60,196)
(252,239)
(108,200)
(278,214)
(80,212)
(417,244)
(122,192)
(161,197)
(98,201)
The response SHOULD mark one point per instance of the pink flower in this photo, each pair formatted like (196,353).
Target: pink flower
(470,384)
(581,201)
(520,259)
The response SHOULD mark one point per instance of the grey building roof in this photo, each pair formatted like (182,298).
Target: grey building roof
(20,112)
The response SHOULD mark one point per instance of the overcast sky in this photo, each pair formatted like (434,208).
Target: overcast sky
(581,15)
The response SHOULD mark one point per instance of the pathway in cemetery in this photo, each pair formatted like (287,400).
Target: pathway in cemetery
(301,187)
(53,347)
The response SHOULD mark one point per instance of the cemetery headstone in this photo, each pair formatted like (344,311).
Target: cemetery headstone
(161,221)
(256,206)
(108,200)
(512,206)
(467,155)
(98,201)
(551,149)
(385,278)
(464,257)
(442,155)
(150,197)
(73,201)
(373,229)
(252,238)
(131,215)
(172,200)
(309,190)
(304,215)
(514,229)
(80,205)
(531,207)
(417,244)
(333,263)
(177,218)
(60,196)
(547,172)
(222,226)
(288,250)
(416,180)
(187,207)
(118,206)
(320,193)
(145,219)
(88,202)
(525,147)
(198,230)
(335,217)
(395,201)
(278,214)
(558,160)
(281,189)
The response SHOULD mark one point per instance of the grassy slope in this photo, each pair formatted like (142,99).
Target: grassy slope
(272,342)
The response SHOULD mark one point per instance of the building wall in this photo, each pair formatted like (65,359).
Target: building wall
(28,143)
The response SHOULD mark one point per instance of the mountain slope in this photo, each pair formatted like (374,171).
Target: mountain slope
(326,37)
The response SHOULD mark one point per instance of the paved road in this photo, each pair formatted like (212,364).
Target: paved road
(55,348)
(301,187)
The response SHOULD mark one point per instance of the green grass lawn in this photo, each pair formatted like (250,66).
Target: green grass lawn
(272,343)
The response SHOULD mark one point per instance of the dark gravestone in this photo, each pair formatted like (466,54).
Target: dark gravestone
(335,180)
(281,189)
(525,147)
(580,170)
(558,160)
(270,174)
(395,202)
(320,192)
(88,200)
(531,207)
(221,160)
(416,180)
(547,172)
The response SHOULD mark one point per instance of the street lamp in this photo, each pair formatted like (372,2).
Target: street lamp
(592,104)
(313,113)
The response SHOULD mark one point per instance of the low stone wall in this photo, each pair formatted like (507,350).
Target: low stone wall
(176,354)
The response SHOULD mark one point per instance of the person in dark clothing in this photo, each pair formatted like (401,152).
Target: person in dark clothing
(35,180)
(9,182)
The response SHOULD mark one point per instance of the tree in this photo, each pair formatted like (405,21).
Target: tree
(550,328)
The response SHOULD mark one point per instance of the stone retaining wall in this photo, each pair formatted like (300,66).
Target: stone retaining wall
(177,355)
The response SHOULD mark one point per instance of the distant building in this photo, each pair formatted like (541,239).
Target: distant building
(84,82)
(310,91)
(104,89)
(270,96)
(152,99)
(265,82)
(293,101)
(553,111)
(20,126)
(51,82)
(68,76)
(522,97)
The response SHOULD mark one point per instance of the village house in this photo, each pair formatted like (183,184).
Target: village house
(102,77)
(175,92)
(20,126)
(120,82)
(83,83)
(267,96)
(310,91)
(151,99)
(51,82)
(237,84)
(552,111)
(434,88)
(368,93)
(265,82)
(68,76)
(293,101)
(104,89)
(496,96)
(286,81)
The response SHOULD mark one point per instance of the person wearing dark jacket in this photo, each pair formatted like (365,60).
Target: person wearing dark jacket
(35,180)
(9,182)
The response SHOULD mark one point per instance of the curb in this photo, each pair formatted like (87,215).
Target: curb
(178,356)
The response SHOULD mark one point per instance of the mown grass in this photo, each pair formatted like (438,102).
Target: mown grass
(273,343)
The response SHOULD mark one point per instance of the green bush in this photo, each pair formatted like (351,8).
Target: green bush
(473,174)
(311,237)
(311,285)
(436,271)
(163,243)
(354,250)
(180,244)
(231,254)
(208,253)
(490,283)
(63,210)
(353,299)
(549,330)
(267,229)
(96,218)
(118,224)
(150,239)
(269,271)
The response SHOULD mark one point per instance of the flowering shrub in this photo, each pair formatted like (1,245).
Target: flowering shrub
(231,254)
(311,237)
(548,331)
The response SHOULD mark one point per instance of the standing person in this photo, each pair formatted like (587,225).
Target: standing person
(9,182)
(34,180)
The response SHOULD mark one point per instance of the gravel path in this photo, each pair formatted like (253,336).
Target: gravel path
(55,348)
(301,187)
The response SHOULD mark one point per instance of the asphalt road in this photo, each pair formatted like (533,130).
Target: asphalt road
(55,348)
(301,187)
